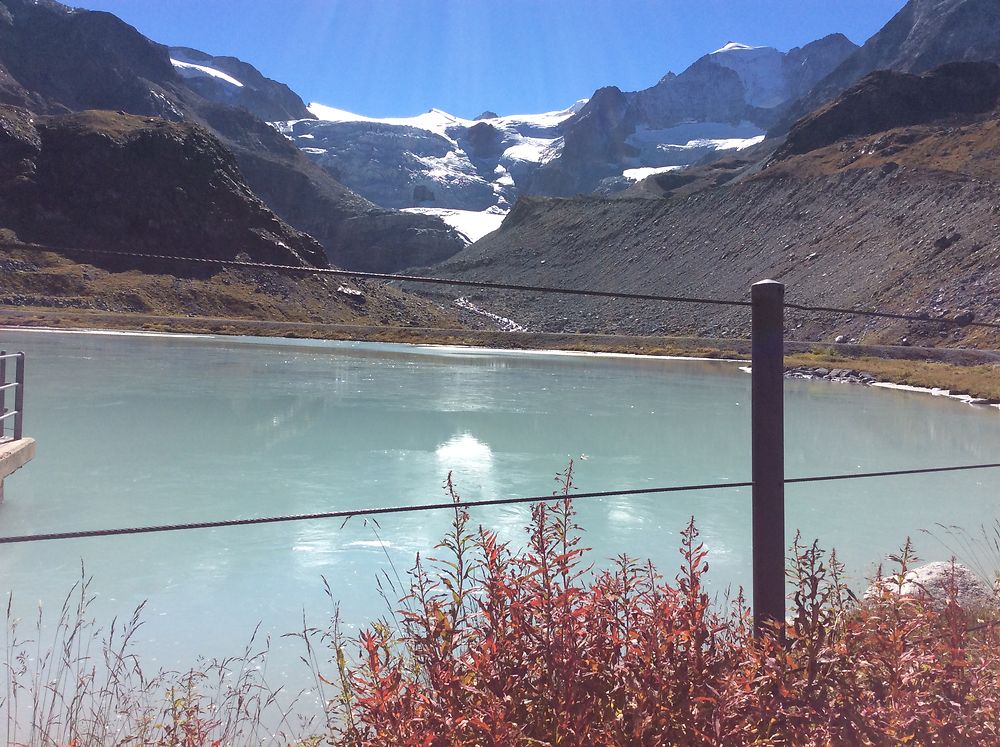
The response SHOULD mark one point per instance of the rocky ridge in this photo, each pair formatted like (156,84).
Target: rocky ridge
(888,99)
(71,181)
(923,35)
(231,81)
(55,59)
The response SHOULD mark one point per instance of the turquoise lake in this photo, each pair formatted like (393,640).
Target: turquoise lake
(139,430)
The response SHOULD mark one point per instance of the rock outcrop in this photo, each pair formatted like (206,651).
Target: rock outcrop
(888,99)
(231,81)
(937,584)
(104,180)
(923,35)
(63,59)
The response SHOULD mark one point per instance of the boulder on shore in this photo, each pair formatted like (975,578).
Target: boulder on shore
(935,582)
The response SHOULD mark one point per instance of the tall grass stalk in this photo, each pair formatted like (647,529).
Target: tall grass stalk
(73,683)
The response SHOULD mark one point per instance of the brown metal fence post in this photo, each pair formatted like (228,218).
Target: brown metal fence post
(768,452)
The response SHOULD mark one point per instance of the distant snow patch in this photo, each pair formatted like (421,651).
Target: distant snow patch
(435,120)
(735,143)
(639,174)
(438,121)
(546,119)
(190,70)
(470,223)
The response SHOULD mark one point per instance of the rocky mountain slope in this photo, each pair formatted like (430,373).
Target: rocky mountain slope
(923,35)
(69,184)
(905,220)
(55,59)
(887,99)
(228,80)
(355,233)
(72,181)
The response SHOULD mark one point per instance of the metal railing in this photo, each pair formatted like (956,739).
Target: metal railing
(17,386)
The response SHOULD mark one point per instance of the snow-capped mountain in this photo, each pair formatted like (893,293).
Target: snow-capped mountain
(470,172)
(467,170)
(725,100)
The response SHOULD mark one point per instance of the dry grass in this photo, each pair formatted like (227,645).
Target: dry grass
(965,146)
(50,282)
(70,682)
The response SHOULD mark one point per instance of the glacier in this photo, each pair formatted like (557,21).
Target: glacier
(431,160)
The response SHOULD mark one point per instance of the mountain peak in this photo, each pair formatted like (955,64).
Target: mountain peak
(732,46)
(922,36)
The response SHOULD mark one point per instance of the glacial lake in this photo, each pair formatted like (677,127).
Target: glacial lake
(139,430)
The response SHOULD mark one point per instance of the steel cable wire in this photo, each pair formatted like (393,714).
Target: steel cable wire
(486,284)
(350,513)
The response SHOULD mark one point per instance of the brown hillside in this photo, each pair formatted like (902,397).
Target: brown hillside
(116,181)
(887,99)
(69,284)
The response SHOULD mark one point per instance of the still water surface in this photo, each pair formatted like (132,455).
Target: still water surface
(138,430)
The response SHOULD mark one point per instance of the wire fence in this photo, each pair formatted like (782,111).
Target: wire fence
(767,420)
(492,285)
(411,508)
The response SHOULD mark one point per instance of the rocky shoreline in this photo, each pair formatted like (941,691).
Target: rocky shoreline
(854,376)
(843,375)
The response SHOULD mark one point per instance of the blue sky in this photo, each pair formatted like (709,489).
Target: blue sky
(401,57)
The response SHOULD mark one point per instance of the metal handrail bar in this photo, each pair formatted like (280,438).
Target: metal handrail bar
(18,386)
(3,392)
(19,398)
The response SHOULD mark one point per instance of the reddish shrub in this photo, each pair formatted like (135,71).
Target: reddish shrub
(533,648)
